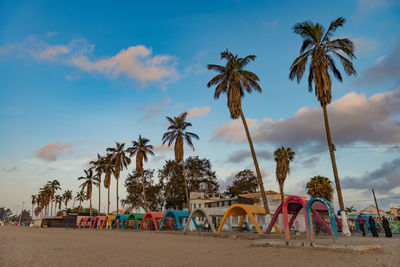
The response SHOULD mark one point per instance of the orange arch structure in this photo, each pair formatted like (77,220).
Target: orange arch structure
(108,222)
(82,222)
(154,217)
(242,210)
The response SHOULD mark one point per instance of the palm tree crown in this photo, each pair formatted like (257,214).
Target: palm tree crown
(140,148)
(88,181)
(320,186)
(233,80)
(118,158)
(283,157)
(67,196)
(319,47)
(177,132)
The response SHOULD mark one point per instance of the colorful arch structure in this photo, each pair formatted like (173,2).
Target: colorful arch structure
(120,219)
(332,220)
(82,222)
(108,222)
(178,215)
(291,205)
(137,217)
(89,222)
(242,210)
(98,221)
(154,217)
(208,214)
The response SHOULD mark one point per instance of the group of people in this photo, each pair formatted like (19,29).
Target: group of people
(372,226)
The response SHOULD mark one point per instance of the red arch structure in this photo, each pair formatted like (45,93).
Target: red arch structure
(154,217)
(291,205)
(82,222)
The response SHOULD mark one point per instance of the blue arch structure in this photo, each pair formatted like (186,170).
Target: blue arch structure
(122,218)
(178,215)
(332,219)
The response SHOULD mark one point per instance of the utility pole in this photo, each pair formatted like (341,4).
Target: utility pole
(376,203)
(22,210)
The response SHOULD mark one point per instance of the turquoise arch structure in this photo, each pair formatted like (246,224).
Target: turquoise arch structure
(331,217)
(178,215)
(123,218)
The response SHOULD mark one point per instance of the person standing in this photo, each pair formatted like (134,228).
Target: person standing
(386,227)
(372,226)
(361,223)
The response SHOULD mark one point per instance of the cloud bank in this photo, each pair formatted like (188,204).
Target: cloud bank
(353,118)
(135,62)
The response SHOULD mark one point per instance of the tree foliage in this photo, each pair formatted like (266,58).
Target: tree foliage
(134,198)
(200,176)
(245,182)
(320,186)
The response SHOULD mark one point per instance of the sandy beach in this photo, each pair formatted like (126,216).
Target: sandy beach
(21,246)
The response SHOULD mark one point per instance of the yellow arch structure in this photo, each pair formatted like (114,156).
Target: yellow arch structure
(242,210)
(108,221)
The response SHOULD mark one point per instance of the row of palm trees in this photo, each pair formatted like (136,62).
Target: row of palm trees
(46,197)
(118,158)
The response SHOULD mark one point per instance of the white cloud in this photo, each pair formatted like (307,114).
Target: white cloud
(233,132)
(135,62)
(198,112)
(353,118)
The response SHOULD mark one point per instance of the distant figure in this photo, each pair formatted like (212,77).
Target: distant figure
(67,225)
(361,223)
(386,226)
(373,227)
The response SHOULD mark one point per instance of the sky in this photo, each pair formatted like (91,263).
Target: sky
(78,76)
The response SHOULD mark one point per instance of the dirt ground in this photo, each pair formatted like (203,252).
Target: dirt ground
(21,246)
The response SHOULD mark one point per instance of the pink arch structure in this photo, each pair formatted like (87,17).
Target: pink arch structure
(293,205)
(154,216)
(98,221)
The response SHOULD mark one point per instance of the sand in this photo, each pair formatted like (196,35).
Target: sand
(21,246)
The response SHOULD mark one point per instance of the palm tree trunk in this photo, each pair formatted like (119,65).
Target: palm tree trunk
(144,191)
(282,194)
(117,196)
(345,228)
(253,154)
(108,201)
(90,203)
(99,175)
(51,205)
(186,186)
(32,212)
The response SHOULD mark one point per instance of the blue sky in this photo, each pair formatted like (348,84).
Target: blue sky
(78,76)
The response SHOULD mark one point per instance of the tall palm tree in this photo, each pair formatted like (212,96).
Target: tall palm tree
(58,201)
(234,81)
(283,157)
(80,196)
(177,132)
(88,181)
(319,46)
(98,166)
(140,148)
(67,196)
(54,185)
(320,186)
(108,170)
(45,197)
(120,161)
(34,199)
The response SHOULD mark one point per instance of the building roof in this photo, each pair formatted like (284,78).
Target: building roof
(372,210)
